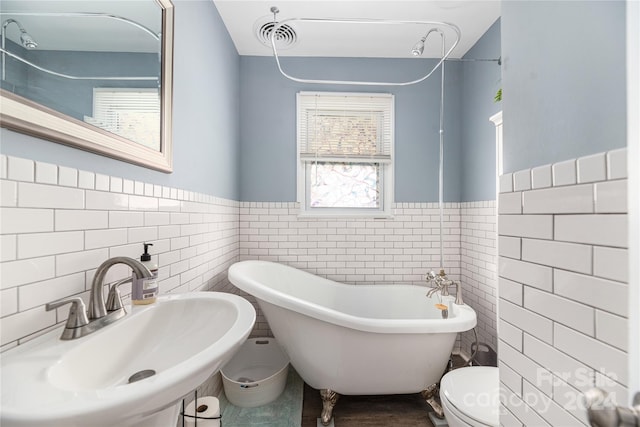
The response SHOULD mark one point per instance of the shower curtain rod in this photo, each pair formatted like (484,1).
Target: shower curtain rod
(67,76)
(77,15)
(445,54)
(498,60)
(86,15)
(277,26)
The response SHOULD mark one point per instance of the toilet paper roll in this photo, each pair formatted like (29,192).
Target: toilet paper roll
(208,407)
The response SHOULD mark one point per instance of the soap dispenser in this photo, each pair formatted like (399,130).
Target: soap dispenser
(145,291)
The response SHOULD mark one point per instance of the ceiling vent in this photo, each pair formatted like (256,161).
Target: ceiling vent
(286,36)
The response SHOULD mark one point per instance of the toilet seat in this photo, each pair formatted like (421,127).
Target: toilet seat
(459,417)
(472,395)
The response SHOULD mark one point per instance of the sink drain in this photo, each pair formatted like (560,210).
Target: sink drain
(140,375)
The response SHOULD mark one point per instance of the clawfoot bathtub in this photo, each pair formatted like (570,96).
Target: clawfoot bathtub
(354,339)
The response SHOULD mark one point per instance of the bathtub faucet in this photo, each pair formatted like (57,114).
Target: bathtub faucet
(442,283)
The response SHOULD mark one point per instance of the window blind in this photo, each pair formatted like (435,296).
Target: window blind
(133,113)
(353,127)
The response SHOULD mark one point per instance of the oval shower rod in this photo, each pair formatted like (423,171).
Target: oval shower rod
(70,77)
(4,52)
(277,25)
(86,15)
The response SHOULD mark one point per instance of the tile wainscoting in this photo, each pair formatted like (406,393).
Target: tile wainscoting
(563,288)
(478,267)
(58,224)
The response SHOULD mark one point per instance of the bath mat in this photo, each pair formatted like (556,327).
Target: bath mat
(285,411)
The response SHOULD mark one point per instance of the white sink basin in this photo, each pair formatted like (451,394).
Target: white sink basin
(84,382)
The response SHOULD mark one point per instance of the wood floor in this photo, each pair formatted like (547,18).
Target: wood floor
(403,410)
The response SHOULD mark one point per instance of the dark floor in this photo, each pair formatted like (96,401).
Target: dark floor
(401,410)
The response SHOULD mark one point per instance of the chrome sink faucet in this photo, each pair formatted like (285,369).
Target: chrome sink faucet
(82,322)
(97,308)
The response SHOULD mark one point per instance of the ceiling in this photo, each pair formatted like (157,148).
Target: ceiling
(84,33)
(243,17)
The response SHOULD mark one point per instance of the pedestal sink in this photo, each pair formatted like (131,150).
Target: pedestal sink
(133,372)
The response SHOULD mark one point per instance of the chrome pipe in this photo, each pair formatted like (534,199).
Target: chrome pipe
(441,163)
(86,15)
(274,31)
(74,15)
(68,76)
(25,38)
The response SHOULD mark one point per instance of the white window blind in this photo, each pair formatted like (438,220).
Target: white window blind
(345,153)
(133,113)
(333,126)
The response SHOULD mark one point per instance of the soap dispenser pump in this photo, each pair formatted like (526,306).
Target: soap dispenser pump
(145,291)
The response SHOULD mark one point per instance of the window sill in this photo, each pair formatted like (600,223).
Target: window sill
(346,215)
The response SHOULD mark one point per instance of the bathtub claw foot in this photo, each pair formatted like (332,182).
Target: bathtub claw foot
(430,395)
(329,399)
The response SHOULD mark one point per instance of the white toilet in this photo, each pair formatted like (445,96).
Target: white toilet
(470,397)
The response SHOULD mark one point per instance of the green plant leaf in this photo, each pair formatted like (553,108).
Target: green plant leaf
(498,96)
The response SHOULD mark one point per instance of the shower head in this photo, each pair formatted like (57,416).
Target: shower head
(28,41)
(25,38)
(418,48)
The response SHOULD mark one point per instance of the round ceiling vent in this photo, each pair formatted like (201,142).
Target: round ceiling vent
(286,36)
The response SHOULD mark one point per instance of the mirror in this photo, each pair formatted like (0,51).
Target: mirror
(93,75)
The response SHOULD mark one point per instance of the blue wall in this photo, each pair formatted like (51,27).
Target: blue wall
(481,80)
(564,91)
(564,96)
(254,160)
(205,113)
(75,97)
(268,131)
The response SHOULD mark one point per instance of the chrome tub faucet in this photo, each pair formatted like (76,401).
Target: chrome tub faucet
(442,283)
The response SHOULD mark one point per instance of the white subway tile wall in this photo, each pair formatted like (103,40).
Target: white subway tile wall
(57,224)
(401,249)
(617,164)
(522,180)
(354,250)
(592,168)
(478,268)
(563,290)
(541,177)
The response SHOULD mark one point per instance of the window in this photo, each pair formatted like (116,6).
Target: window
(345,153)
(133,113)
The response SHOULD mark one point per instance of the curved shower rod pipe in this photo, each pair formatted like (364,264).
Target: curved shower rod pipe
(498,60)
(274,31)
(441,160)
(87,15)
(77,15)
(67,76)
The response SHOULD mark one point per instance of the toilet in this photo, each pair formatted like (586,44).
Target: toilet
(470,397)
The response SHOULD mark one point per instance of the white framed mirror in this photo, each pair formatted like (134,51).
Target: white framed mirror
(93,75)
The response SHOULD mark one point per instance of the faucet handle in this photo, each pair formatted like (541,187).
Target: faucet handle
(114,299)
(445,288)
(77,312)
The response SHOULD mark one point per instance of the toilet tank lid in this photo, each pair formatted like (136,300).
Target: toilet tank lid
(474,391)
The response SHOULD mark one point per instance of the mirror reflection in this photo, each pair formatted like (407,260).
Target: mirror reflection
(100,65)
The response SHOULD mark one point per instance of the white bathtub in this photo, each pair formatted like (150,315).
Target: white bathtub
(355,339)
